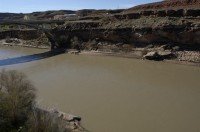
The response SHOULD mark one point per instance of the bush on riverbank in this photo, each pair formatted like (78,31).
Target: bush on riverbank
(18,112)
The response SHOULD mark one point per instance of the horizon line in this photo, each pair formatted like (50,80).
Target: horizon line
(63,10)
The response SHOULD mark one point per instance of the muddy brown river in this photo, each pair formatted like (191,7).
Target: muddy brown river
(113,94)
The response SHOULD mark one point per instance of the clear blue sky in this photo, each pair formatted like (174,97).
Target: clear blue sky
(26,6)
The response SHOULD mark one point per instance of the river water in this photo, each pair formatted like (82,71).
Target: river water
(113,94)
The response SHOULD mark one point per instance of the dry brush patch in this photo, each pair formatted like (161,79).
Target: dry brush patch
(18,110)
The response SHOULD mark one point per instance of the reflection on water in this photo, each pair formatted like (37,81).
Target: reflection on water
(115,94)
(29,58)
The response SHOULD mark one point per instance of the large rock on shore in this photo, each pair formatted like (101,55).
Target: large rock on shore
(72,122)
(161,55)
(166,54)
(152,56)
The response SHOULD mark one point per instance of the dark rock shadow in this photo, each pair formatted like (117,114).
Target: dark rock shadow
(30,58)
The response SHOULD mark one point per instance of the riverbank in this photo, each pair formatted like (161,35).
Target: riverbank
(137,55)
(35,43)
(182,57)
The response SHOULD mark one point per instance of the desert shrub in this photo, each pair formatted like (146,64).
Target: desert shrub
(40,121)
(18,110)
(17,98)
(75,43)
(91,45)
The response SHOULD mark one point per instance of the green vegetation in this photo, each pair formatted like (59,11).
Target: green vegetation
(4,27)
(7,27)
(18,111)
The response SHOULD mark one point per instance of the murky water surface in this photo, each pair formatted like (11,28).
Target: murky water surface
(113,94)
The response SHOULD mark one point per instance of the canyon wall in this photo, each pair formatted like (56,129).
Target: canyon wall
(159,13)
(21,34)
(143,36)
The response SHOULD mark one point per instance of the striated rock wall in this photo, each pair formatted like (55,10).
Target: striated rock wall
(21,34)
(25,38)
(136,36)
(159,13)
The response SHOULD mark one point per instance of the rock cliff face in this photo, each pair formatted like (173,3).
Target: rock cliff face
(181,34)
(25,38)
(21,34)
(136,31)
(162,22)
(160,13)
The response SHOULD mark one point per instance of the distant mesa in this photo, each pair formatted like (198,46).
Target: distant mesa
(56,15)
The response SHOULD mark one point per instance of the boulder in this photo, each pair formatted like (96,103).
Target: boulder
(166,54)
(176,48)
(158,56)
(152,56)
(8,40)
(16,41)
(65,116)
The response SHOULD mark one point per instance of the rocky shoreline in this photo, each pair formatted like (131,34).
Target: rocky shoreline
(163,53)
(12,42)
(69,122)
(135,56)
